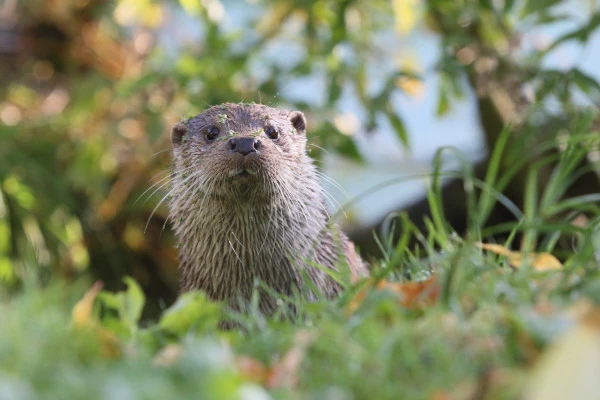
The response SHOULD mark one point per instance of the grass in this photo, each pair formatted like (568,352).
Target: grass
(487,334)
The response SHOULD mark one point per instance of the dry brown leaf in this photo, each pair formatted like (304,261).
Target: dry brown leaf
(284,373)
(539,261)
(412,294)
(82,319)
(358,298)
(569,368)
(251,369)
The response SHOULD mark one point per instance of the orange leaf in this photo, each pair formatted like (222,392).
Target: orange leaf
(358,298)
(412,294)
(284,373)
(539,261)
(251,369)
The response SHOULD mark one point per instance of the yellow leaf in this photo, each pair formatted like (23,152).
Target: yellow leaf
(406,14)
(539,261)
(81,317)
(569,368)
(411,86)
(82,312)
(191,7)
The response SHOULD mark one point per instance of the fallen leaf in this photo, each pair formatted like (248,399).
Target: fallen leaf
(358,298)
(251,369)
(81,317)
(284,373)
(539,261)
(412,294)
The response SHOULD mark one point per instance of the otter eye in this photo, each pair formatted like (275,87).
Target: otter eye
(212,133)
(271,132)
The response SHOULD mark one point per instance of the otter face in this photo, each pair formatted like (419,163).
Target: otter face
(242,147)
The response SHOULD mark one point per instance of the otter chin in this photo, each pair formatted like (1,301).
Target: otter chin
(241,172)
(247,206)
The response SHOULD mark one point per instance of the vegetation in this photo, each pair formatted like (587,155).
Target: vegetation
(84,162)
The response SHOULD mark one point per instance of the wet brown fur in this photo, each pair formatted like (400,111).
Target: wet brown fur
(262,216)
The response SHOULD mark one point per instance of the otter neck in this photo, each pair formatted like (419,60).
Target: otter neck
(237,241)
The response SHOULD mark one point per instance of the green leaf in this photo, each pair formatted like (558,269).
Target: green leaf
(508,6)
(128,304)
(132,301)
(581,34)
(347,147)
(443,105)
(537,6)
(548,18)
(334,90)
(398,125)
(586,84)
(129,87)
(191,310)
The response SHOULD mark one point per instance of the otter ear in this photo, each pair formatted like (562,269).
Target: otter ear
(177,133)
(298,121)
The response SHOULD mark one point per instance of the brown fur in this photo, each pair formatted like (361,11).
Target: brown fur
(261,216)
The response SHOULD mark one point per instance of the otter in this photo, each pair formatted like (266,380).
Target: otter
(247,205)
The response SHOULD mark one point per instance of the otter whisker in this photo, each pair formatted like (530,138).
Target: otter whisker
(191,177)
(236,239)
(319,147)
(157,183)
(235,252)
(162,151)
(334,201)
(152,187)
(157,189)
(206,192)
(161,201)
(269,221)
(197,188)
(333,182)
(154,210)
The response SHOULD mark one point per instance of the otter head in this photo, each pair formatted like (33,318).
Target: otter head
(235,148)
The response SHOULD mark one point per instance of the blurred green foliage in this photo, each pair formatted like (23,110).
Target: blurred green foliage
(92,88)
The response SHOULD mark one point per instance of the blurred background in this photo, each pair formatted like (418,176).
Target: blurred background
(89,90)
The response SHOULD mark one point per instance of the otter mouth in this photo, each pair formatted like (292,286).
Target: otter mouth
(241,173)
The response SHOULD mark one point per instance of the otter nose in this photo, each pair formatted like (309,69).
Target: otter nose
(244,145)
